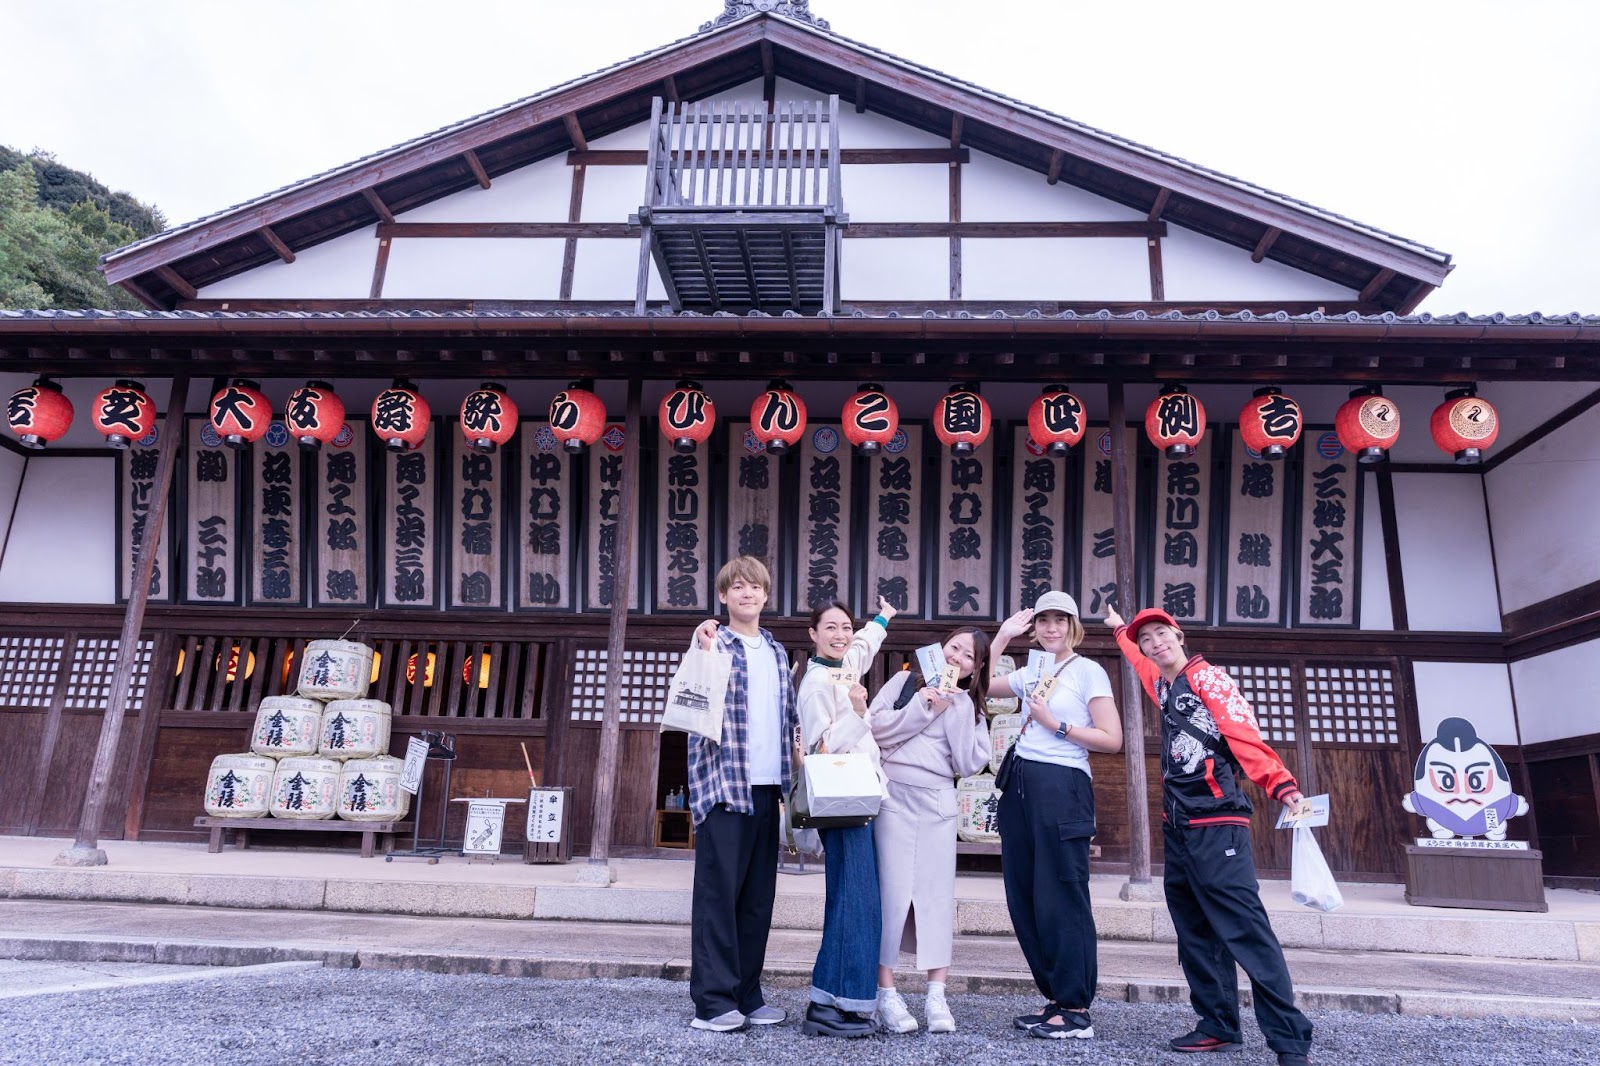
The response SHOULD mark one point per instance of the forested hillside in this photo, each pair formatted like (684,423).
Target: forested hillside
(55,223)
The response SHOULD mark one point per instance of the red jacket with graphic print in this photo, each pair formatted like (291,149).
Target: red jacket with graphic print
(1208,737)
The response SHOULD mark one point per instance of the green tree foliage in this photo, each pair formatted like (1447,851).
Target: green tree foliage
(52,236)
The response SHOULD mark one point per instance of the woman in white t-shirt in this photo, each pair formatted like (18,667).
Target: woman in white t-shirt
(1047,811)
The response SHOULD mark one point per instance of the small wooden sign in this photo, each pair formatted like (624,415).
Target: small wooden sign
(342,520)
(1041,541)
(1330,525)
(967,543)
(683,526)
(825,530)
(1254,545)
(544,815)
(546,520)
(895,485)
(408,527)
(476,497)
(212,542)
(277,517)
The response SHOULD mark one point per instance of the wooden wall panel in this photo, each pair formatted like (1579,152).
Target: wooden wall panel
(1564,802)
(1369,827)
(21,733)
(69,776)
(176,794)
(632,822)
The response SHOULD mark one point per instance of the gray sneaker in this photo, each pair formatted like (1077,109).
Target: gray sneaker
(766,1014)
(722,1023)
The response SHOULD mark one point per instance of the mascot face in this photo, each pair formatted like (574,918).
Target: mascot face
(1464,782)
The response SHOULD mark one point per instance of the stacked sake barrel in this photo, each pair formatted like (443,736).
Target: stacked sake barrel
(978,804)
(318,754)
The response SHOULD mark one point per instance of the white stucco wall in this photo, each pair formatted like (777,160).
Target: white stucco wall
(1546,511)
(1377,611)
(1558,693)
(340,269)
(64,501)
(1444,552)
(11,468)
(1198,269)
(1478,692)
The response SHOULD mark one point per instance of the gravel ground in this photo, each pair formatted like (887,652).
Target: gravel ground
(399,1019)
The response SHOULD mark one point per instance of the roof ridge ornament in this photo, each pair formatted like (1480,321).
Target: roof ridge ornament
(734,10)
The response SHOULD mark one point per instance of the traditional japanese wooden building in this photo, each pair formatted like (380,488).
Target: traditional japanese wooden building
(769,200)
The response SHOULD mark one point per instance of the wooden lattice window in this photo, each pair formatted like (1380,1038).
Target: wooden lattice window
(89,681)
(1270,690)
(28,669)
(1352,705)
(645,677)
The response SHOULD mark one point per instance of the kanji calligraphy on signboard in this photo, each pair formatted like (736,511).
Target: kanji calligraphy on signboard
(683,525)
(136,489)
(407,530)
(544,815)
(341,520)
(1254,545)
(277,512)
(212,544)
(1097,552)
(1330,523)
(825,529)
(546,520)
(474,499)
(1181,548)
(753,486)
(1040,540)
(894,522)
(603,524)
(967,546)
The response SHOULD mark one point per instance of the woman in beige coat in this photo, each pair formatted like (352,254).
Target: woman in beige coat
(928,739)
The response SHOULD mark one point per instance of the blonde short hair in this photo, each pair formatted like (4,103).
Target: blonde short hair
(746,568)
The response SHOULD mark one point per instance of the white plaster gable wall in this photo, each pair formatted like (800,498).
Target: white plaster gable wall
(1377,611)
(11,468)
(1068,269)
(1197,269)
(340,269)
(1546,514)
(605,269)
(66,501)
(538,192)
(1445,554)
(1478,692)
(465,268)
(993,190)
(1558,693)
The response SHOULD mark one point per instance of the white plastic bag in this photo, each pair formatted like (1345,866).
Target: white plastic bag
(695,696)
(1311,882)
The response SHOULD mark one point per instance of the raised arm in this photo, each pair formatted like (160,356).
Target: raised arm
(999,688)
(868,639)
(1147,670)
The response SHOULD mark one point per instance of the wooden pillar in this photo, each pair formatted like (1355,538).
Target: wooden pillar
(1132,691)
(85,850)
(605,775)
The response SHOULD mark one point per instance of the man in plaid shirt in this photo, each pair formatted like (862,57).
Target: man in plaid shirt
(734,790)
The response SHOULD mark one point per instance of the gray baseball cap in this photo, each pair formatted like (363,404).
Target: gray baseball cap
(1056,601)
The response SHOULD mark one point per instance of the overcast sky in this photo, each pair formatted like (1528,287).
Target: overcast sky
(1473,127)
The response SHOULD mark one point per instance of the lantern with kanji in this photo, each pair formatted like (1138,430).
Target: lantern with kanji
(400,416)
(1368,424)
(1175,422)
(240,414)
(1465,424)
(314,414)
(124,413)
(39,413)
(577,417)
(778,417)
(488,417)
(961,419)
(870,419)
(687,416)
(1271,423)
(1055,420)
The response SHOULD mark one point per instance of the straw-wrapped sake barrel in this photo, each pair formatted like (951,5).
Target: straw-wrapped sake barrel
(355,729)
(369,790)
(305,788)
(335,670)
(978,810)
(1008,705)
(286,725)
(1004,729)
(238,785)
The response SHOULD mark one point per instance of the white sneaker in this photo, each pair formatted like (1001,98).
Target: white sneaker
(940,1020)
(766,1014)
(892,1015)
(722,1023)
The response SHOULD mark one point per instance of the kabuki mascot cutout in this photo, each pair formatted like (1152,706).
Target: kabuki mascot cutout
(1462,788)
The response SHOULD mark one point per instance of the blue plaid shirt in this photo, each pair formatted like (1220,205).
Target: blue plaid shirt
(720,773)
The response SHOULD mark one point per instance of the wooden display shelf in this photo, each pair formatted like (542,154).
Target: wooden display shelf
(663,815)
(1477,878)
(242,828)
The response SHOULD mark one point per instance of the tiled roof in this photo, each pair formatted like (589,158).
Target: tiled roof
(924,71)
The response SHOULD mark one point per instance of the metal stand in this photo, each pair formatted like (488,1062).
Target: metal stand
(441,747)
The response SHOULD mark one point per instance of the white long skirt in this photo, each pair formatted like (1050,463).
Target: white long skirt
(915,831)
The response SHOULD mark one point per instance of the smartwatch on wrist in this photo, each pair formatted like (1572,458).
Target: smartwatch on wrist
(1063,730)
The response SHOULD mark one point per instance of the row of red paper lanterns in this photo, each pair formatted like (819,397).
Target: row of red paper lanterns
(1368,424)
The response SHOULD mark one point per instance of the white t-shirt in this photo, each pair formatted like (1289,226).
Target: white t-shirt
(1080,681)
(766,717)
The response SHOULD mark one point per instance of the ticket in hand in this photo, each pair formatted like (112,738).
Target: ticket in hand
(838,675)
(950,678)
(930,658)
(1311,812)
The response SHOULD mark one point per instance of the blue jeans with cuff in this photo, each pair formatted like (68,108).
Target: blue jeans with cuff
(846,972)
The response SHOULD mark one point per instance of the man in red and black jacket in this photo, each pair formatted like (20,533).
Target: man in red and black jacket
(1209,740)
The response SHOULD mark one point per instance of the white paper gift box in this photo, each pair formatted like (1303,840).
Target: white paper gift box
(843,785)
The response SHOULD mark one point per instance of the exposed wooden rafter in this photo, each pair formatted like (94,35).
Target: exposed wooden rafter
(955,129)
(474,165)
(1264,245)
(669,88)
(575,131)
(1376,285)
(377,204)
(861,95)
(769,74)
(1053,175)
(1160,205)
(176,282)
(276,244)
(133,288)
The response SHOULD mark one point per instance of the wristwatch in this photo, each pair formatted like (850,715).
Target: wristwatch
(1062,730)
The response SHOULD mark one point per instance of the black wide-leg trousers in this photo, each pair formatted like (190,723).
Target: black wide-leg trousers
(735,881)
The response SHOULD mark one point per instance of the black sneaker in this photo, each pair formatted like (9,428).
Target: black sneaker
(1198,1041)
(1063,1024)
(1028,1021)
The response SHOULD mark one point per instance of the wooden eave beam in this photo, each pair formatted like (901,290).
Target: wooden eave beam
(669,88)
(1160,205)
(377,204)
(769,73)
(1053,174)
(1375,286)
(140,293)
(474,165)
(861,95)
(575,131)
(176,282)
(276,244)
(956,122)
(1264,245)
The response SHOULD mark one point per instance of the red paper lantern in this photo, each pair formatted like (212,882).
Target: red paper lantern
(400,416)
(778,417)
(1055,420)
(1368,424)
(240,414)
(39,413)
(870,419)
(1465,424)
(577,417)
(687,416)
(961,419)
(314,414)
(488,417)
(124,413)
(1271,423)
(1175,422)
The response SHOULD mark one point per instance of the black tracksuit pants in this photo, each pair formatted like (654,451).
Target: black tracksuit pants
(735,880)
(1215,904)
